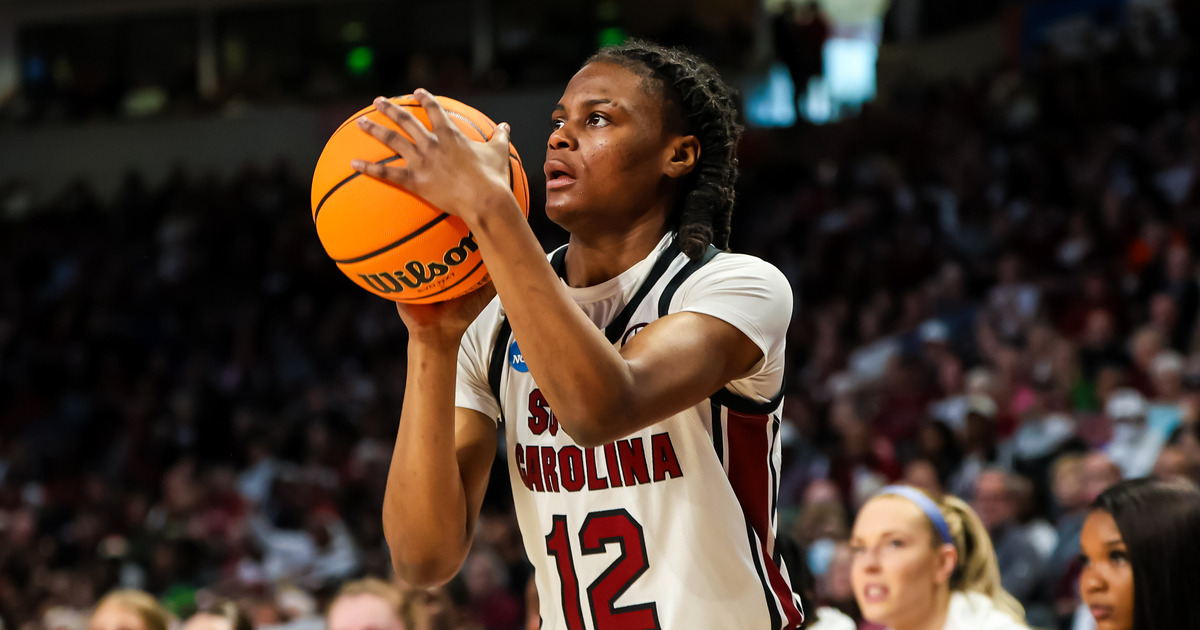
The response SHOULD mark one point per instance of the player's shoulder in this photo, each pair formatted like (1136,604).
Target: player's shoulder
(741,266)
(481,332)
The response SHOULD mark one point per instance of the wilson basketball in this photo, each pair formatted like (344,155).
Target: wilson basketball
(386,239)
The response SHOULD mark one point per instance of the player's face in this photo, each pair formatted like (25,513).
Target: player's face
(363,612)
(608,150)
(897,570)
(1107,578)
(115,616)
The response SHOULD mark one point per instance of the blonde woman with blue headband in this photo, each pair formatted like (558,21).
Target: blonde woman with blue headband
(926,564)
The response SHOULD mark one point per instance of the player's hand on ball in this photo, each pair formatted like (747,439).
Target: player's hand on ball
(442,165)
(448,320)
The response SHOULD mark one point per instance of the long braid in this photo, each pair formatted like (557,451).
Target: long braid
(700,102)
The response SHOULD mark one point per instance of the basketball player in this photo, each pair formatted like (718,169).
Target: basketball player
(636,374)
(922,563)
(1141,547)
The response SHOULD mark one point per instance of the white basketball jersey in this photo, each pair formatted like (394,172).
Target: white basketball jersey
(671,527)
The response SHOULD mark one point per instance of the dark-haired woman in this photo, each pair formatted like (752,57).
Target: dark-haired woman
(636,373)
(1141,556)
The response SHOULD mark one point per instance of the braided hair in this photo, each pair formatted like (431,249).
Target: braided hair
(698,102)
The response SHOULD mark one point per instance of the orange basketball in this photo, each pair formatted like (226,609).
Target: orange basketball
(383,237)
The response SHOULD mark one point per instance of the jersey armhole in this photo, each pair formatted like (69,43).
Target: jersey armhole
(723,396)
(496,365)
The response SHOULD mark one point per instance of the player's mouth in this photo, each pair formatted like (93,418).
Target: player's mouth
(1101,613)
(874,593)
(558,175)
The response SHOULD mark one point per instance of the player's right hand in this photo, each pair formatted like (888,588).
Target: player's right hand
(445,321)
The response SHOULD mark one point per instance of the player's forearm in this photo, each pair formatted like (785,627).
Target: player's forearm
(425,507)
(585,379)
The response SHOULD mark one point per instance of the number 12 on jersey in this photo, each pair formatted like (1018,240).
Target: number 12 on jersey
(598,531)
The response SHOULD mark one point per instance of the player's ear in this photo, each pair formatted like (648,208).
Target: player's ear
(683,153)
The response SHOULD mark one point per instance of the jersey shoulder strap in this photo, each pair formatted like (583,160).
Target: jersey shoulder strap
(664,301)
(558,260)
(496,365)
(616,328)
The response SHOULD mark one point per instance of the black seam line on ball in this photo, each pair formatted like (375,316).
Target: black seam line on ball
(409,237)
(369,111)
(482,136)
(321,203)
(511,178)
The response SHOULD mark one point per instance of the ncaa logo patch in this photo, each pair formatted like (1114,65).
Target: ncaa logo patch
(516,359)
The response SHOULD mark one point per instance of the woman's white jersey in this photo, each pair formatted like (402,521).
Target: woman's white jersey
(673,526)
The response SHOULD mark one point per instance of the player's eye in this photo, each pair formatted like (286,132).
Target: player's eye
(597,120)
(556,123)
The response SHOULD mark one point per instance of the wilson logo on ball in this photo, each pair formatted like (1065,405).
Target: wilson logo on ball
(417,274)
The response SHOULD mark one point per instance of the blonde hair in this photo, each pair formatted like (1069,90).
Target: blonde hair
(394,597)
(403,603)
(154,617)
(977,570)
(228,611)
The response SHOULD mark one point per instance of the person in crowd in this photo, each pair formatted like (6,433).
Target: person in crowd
(1019,561)
(219,614)
(367,604)
(979,444)
(486,580)
(951,408)
(1045,430)
(921,473)
(921,562)
(1140,555)
(817,615)
(938,444)
(1135,443)
(1070,510)
(1144,347)
(128,609)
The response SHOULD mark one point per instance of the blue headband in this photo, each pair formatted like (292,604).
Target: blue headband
(931,510)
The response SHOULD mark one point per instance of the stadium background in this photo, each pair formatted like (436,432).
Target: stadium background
(994,259)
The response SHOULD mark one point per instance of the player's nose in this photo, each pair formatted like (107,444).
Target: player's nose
(561,138)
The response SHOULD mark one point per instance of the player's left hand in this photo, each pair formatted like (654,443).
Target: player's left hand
(454,173)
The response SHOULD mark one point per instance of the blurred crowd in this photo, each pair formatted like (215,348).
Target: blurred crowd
(998,296)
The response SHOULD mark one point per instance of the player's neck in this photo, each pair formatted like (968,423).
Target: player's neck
(601,256)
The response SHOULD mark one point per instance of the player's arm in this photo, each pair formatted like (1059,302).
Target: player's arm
(598,393)
(443,454)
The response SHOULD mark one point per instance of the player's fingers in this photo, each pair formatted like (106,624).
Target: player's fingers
(390,138)
(501,136)
(416,130)
(410,124)
(438,120)
(380,170)
(500,145)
